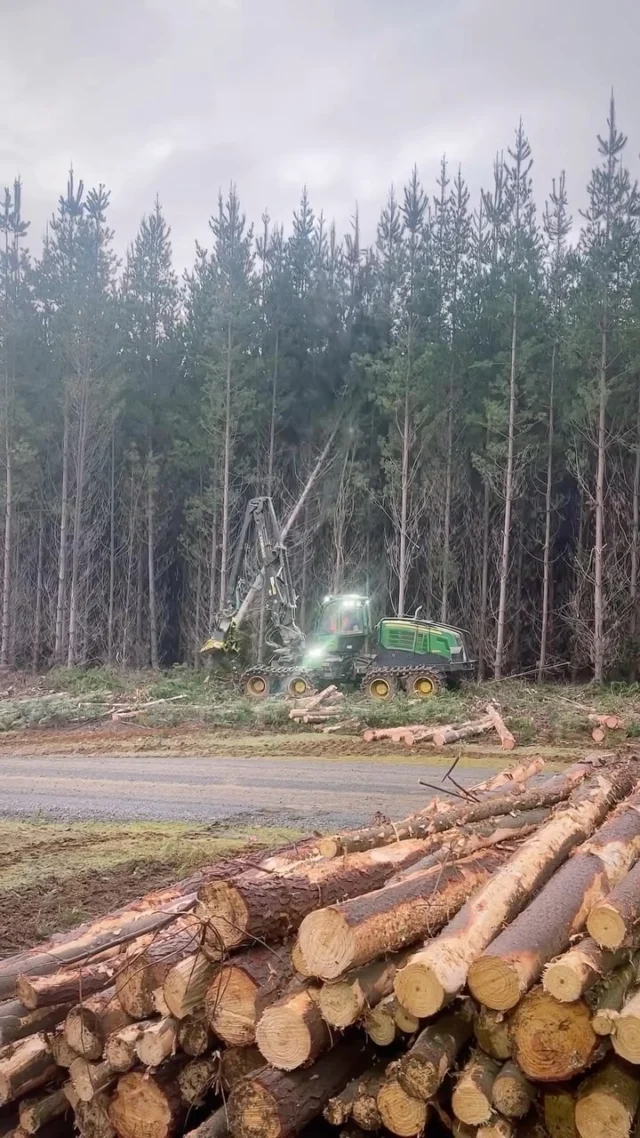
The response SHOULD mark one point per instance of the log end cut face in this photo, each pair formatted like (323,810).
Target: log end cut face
(552,1041)
(340,1004)
(599,1114)
(400,1113)
(139,1109)
(494,982)
(626,1037)
(326,943)
(562,982)
(226,916)
(230,1007)
(419,990)
(253,1112)
(606,926)
(283,1037)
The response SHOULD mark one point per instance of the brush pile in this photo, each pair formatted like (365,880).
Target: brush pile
(473,966)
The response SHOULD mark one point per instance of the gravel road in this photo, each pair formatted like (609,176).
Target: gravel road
(303,793)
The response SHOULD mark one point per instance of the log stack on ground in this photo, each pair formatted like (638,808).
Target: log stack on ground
(459,965)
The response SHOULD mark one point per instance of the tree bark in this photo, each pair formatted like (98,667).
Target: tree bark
(578,969)
(148,965)
(64,987)
(626,1030)
(62,553)
(498,724)
(548,502)
(198,1078)
(61,1053)
(355,932)
(92,1118)
(34,1113)
(238,1062)
(215,1126)
(436,973)
(365,1111)
(120,1047)
(151,562)
(607,1000)
(18,1021)
(516,958)
(89,1079)
(89,1023)
(23,1067)
(559,1111)
(443,735)
(607,1102)
(472,1095)
(112,549)
(344,1002)
(484,579)
(491,1030)
(291,1032)
(194,1036)
(422,1070)
(553,1042)
(508,494)
(615,921)
(37,619)
(277,1104)
(241,988)
(76,541)
(8,545)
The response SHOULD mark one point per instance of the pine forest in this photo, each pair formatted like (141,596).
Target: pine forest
(468,376)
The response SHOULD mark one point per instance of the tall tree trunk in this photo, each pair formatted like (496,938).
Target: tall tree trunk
(224,553)
(151,553)
(448,482)
(404,496)
(62,553)
(270,463)
(77,530)
(598,602)
(37,620)
(508,496)
(546,558)
(130,556)
(635,531)
(197,636)
(213,550)
(112,547)
(484,581)
(8,543)
(141,657)
(517,621)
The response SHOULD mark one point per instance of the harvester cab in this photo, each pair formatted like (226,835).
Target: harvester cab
(343,634)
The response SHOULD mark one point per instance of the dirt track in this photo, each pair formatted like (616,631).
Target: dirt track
(294,791)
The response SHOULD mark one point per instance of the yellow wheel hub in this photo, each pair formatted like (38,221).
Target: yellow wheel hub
(380,688)
(424,686)
(256,685)
(298,687)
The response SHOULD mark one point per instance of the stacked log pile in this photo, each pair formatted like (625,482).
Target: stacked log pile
(477,964)
(443,734)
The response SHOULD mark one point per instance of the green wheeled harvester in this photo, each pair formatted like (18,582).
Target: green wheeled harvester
(407,654)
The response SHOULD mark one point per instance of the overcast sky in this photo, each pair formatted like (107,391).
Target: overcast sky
(178,97)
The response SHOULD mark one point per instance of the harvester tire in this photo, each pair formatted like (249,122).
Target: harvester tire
(423,684)
(379,686)
(298,686)
(257,685)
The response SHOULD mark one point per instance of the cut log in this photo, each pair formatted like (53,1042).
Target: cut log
(472,1095)
(421,825)
(607,1102)
(491,1030)
(90,1078)
(298,961)
(380,1023)
(502,731)
(365,1111)
(400,1113)
(355,932)
(23,1067)
(60,1051)
(407,1023)
(398,734)
(34,1113)
(146,1106)
(559,1111)
(92,1118)
(149,962)
(242,988)
(160,1005)
(254,905)
(497,1128)
(338,1109)
(610,996)
(435,974)
(578,969)
(598,734)
(198,1078)
(344,1002)
(17,1021)
(444,735)
(512,1093)
(238,1062)
(215,1126)
(120,1047)
(194,1035)
(88,1024)
(552,1041)
(615,921)
(65,987)
(423,1068)
(186,983)
(275,1104)
(157,1042)
(291,1031)
(516,958)
(625,1032)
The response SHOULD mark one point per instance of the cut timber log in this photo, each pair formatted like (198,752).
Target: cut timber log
(275,1104)
(380,1023)
(400,1113)
(186,983)
(24,1066)
(355,932)
(238,1062)
(472,1095)
(89,1023)
(149,962)
(491,1030)
(338,1109)
(298,961)
(60,1051)
(64,987)
(198,1078)
(421,825)
(502,731)
(422,1069)
(345,1001)
(92,1118)
(34,1113)
(120,1047)
(291,1031)
(194,1036)
(17,1022)
(559,1111)
(626,1031)
(552,1041)
(498,1128)
(435,974)
(607,1102)
(90,1078)
(255,905)
(615,921)
(157,1042)
(512,1093)
(215,1126)
(578,969)
(516,958)
(611,995)
(146,1106)
(399,734)
(242,988)
(365,1111)
(444,735)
